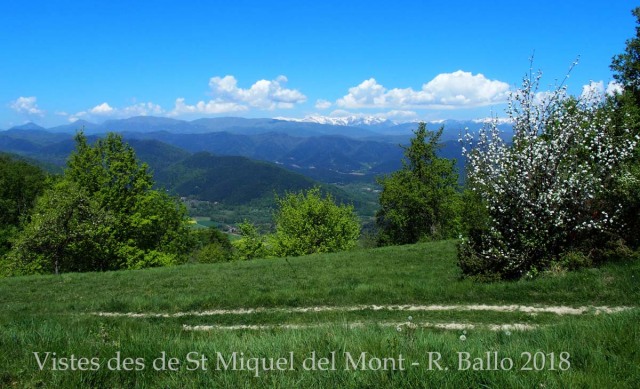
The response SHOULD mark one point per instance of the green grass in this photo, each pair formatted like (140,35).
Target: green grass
(54,313)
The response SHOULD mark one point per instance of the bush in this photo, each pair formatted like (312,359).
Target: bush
(574,260)
(251,245)
(308,223)
(139,259)
(211,253)
(210,245)
(546,192)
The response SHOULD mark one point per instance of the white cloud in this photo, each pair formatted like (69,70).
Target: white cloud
(543,97)
(210,107)
(446,91)
(263,94)
(105,110)
(322,104)
(102,109)
(596,88)
(26,105)
(593,89)
(228,97)
(399,115)
(613,88)
(141,109)
(368,94)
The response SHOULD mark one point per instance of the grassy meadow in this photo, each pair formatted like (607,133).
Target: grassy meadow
(385,317)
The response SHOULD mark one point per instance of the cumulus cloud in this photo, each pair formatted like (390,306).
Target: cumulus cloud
(263,94)
(322,104)
(228,97)
(400,115)
(597,88)
(104,110)
(613,88)
(26,105)
(141,109)
(543,97)
(210,107)
(448,90)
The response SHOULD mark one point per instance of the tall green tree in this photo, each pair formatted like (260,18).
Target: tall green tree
(20,185)
(626,66)
(103,215)
(308,223)
(626,106)
(68,231)
(420,200)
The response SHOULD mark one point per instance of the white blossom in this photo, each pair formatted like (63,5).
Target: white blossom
(542,187)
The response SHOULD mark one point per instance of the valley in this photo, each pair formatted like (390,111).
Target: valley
(234,166)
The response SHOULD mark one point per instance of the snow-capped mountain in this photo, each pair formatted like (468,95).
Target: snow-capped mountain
(351,121)
(491,120)
(383,123)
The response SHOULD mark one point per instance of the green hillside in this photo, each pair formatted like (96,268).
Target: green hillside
(231,180)
(48,167)
(396,302)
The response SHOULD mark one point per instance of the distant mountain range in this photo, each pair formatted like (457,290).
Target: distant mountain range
(349,121)
(372,128)
(235,125)
(331,151)
(231,180)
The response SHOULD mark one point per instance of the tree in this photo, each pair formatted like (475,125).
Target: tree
(20,185)
(252,244)
(65,233)
(308,223)
(418,201)
(626,66)
(546,191)
(626,105)
(102,215)
(211,245)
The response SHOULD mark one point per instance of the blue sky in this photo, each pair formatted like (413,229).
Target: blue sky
(98,60)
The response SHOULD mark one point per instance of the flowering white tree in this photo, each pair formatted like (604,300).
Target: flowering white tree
(544,190)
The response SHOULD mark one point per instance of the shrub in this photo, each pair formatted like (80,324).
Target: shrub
(546,192)
(308,223)
(251,245)
(210,245)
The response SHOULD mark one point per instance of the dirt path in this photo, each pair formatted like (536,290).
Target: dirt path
(400,326)
(559,310)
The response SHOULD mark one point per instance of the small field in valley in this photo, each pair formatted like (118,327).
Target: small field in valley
(386,317)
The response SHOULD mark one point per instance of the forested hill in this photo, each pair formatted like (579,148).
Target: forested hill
(230,180)
(330,153)
(227,179)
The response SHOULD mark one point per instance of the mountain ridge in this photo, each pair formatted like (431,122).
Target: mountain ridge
(360,127)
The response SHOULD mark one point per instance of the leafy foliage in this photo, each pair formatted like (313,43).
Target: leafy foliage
(308,223)
(420,200)
(102,215)
(211,245)
(546,192)
(20,184)
(626,106)
(251,245)
(626,66)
